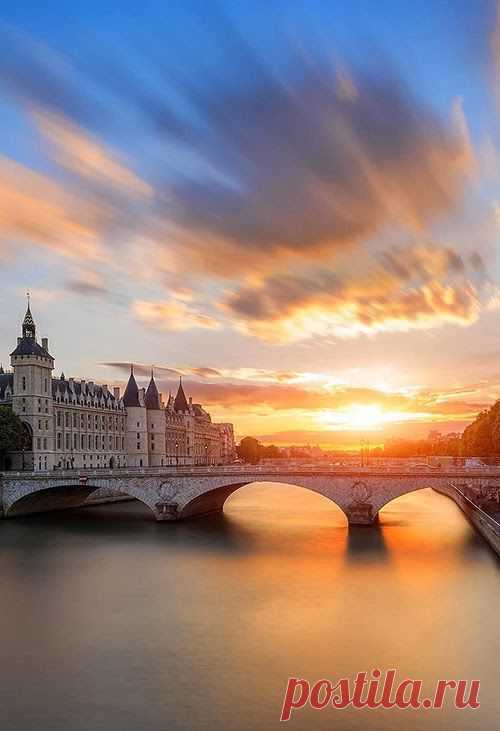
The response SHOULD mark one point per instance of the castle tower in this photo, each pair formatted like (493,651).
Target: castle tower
(137,424)
(32,393)
(183,411)
(157,447)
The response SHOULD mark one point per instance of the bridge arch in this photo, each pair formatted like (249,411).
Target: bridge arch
(213,500)
(392,495)
(63,496)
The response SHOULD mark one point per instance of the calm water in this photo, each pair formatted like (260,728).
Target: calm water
(111,621)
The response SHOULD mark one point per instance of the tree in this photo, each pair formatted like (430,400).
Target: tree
(482,437)
(11,432)
(249,450)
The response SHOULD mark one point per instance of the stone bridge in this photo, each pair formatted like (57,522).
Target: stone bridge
(187,492)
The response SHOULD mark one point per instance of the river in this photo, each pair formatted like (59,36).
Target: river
(111,621)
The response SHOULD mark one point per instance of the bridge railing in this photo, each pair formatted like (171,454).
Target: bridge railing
(239,469)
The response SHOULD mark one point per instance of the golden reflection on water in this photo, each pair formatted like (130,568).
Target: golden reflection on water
(113,621)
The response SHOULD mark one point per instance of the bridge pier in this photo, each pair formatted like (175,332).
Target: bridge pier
(361,514)
(166,512)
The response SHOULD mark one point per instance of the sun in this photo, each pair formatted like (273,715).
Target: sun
(359,417)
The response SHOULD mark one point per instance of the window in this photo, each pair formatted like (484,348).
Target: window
(59,440)
(58,418)
(24,383)
(75,441)
(67,418)
(67,440)
(45,442)
(82,441)
(38,443)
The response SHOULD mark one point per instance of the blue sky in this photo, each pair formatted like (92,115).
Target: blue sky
(300,196)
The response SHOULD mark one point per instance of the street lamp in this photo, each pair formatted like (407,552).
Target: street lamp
(364,454)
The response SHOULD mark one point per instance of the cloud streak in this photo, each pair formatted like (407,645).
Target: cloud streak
(295,171)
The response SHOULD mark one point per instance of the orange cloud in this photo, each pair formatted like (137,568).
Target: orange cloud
(34,209)
(80,152)
(172,315)
(414,287)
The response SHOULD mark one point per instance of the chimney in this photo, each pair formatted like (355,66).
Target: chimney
(116,392)
(142,394)
(19,340)
(71,382)
(45,343)
(190,400)
(105,388)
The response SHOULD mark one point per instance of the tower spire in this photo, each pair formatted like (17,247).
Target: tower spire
(152,397)
(29,328)
(180,402)
(131,395)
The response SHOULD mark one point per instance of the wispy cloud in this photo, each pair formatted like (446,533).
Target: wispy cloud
(295,171)
(172,315)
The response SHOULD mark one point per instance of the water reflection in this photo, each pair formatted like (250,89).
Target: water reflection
(110,620)
(366,543)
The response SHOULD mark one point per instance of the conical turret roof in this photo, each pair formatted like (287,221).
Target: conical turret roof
(152,397)
(180,403)
(131,395)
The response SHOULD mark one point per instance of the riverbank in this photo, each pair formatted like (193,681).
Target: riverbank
(484,523)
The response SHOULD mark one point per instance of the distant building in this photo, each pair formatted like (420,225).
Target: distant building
(79,424)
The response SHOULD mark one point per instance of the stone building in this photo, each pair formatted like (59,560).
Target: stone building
(70,424)
(176,433)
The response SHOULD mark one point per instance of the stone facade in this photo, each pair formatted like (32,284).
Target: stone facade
(72,424)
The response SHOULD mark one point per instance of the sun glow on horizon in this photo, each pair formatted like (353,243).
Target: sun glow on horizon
(359,417)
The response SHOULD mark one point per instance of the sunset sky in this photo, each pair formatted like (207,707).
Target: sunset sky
(295,205)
